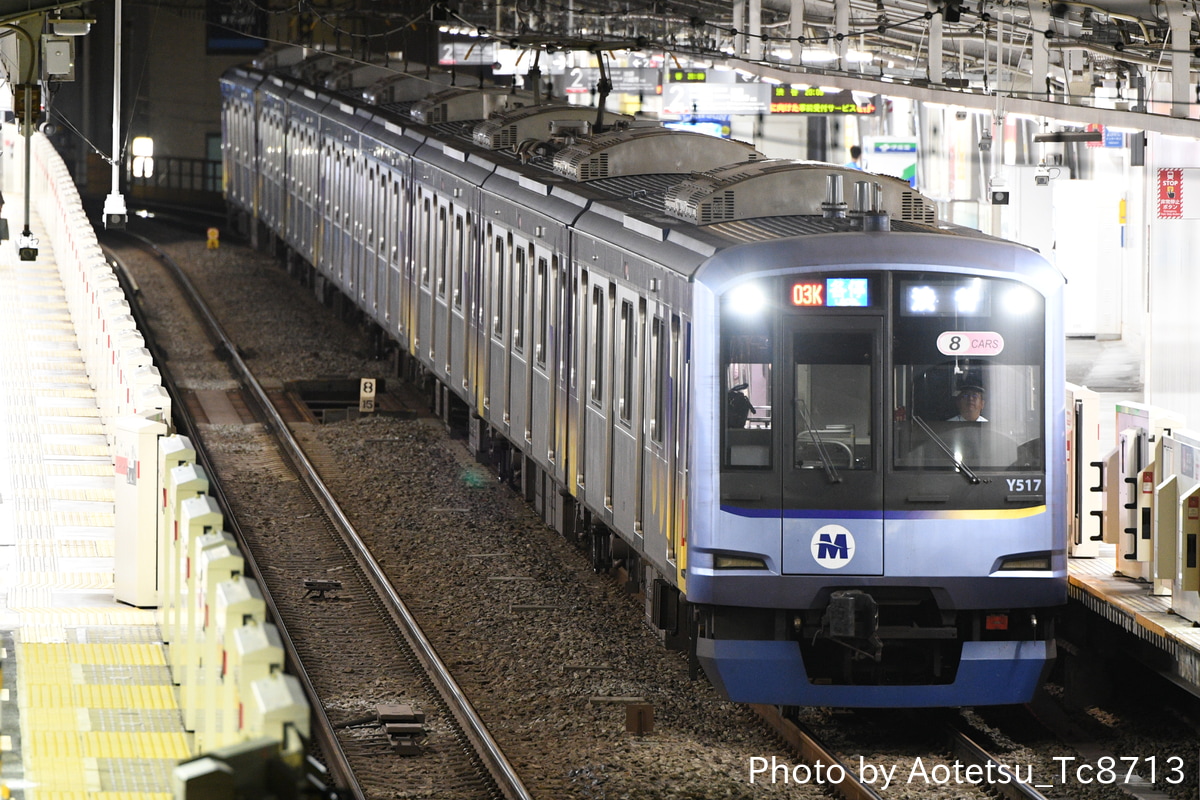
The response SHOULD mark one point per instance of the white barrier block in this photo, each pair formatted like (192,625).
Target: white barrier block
(199,517)
(275,704)
(183,483)
(135,568)
(239,603)
(216,566)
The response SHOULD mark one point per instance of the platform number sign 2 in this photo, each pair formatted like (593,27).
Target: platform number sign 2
(366,395)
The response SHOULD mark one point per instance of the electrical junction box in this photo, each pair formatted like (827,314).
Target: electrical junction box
(58,58)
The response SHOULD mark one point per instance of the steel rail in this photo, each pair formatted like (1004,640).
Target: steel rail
(812,751)
(497,763)
(1006,784)
(323,731)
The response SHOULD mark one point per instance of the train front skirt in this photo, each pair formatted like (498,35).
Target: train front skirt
(773,673)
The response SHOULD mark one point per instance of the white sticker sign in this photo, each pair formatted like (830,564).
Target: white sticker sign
(970,343)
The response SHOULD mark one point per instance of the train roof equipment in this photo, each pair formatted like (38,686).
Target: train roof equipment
(646,151)
(538,122)
(351,75)
(462,104)
(405,87)
(782,187)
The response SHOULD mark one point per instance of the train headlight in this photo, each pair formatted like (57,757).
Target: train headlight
(1025,563)
(738,562)
(1020,300)
(922,300)
(968,298)
(746,300)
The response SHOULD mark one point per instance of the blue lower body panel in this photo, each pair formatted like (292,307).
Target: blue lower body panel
(772,673)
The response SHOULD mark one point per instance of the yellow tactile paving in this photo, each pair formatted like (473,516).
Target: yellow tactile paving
(79,470)
(67,548)
(99,695)
(44,795)
(80,429)
(42,613)
(54,719)
(67,519)
(85,393)
(99,653)
(139,744)
(68,580)
(55,773)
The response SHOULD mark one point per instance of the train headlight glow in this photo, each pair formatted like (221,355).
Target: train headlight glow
(1020,300)
(746,300)
(968,298)
(922,300)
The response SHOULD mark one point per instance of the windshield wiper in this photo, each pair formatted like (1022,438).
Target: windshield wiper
(830,470)
(940,442)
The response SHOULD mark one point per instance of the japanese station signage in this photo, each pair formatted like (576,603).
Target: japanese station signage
(1170,194)
(814,100)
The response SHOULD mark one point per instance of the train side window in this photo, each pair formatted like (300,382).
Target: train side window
(658,381)
(542,294)
(520,288)
(458,257)
(442,244)
(498,290)
(596,367)
(746,366)
(425,249)
(628,361)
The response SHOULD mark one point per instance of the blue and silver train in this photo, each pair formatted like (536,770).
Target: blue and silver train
(825,439)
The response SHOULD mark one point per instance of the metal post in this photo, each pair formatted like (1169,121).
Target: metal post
(114,204)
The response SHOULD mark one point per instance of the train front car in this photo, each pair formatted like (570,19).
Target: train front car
(881,420)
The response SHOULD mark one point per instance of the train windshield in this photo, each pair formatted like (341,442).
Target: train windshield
(914,373)
(967,382)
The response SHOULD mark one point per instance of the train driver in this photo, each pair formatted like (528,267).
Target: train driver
(740,407)
(970,400)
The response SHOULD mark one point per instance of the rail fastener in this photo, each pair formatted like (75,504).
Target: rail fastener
(320,587)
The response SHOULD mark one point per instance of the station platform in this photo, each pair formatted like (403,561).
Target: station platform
(87,706)
(1129,604)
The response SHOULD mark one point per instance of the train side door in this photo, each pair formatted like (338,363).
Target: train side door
(461,250)
(832,426)
(439,344)
(372,241)
(519,344)
(540,408)
(595,344)
(498,328)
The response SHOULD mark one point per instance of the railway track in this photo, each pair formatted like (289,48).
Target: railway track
(322,542)
(972,771)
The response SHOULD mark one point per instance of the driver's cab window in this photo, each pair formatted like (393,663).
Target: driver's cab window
(832,399)
(747,413)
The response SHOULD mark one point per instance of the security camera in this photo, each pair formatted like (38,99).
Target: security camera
(985,143)
(1041,176)
(960,115)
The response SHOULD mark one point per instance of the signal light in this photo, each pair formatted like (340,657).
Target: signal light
(996,622)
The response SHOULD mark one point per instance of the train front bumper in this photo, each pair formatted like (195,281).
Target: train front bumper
(773,673)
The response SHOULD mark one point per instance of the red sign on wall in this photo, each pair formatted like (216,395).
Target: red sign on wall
(1170,194)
